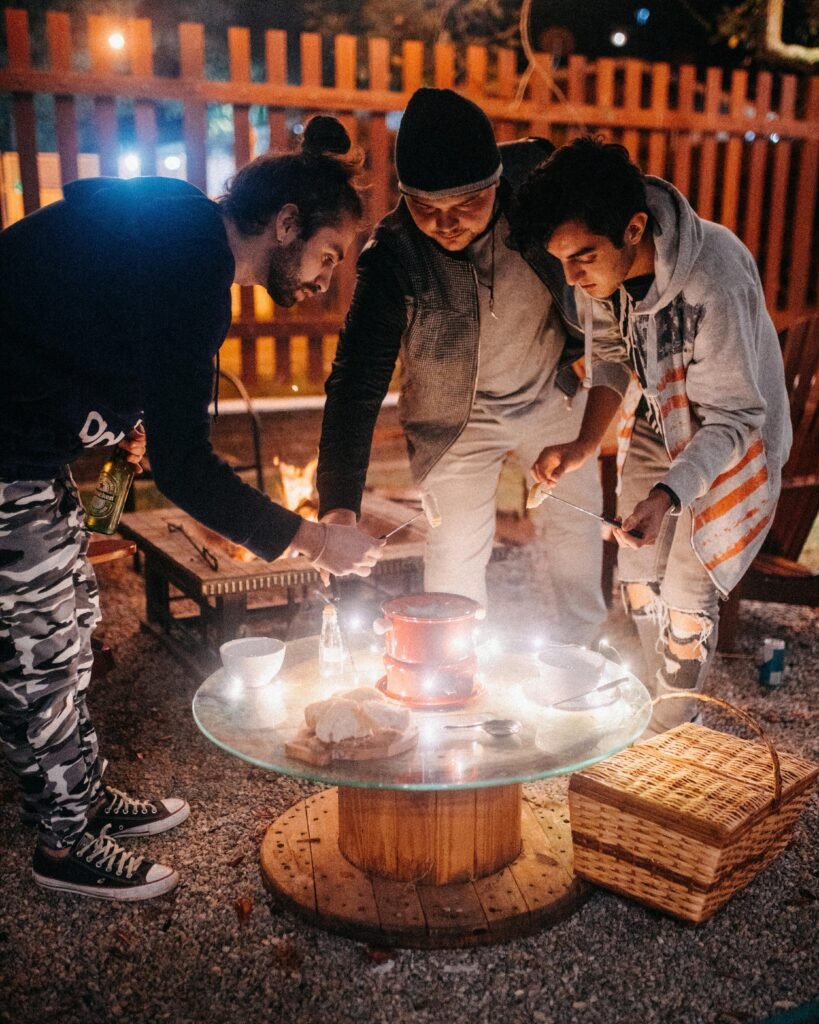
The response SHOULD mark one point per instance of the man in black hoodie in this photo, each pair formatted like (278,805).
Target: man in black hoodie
(113,304)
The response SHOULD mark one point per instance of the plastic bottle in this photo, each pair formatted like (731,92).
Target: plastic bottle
(105,508)
(331,645)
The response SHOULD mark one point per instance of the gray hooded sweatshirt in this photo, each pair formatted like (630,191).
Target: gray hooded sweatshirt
(714,379)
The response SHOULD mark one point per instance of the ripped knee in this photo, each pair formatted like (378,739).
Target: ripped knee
(641,600)
(687,635)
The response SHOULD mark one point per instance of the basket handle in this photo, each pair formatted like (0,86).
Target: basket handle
(746,718)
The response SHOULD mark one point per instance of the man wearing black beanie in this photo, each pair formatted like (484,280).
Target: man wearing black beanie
(486,366)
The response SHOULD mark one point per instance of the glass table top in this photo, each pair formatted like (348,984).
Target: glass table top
(255,723)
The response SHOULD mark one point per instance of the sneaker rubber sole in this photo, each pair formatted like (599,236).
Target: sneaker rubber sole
(146,891)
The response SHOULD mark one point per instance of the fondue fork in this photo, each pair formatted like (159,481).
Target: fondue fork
(538,494)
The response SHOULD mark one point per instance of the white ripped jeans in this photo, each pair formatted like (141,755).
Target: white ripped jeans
(464,485)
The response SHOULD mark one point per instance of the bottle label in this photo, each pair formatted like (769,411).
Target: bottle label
(104,496)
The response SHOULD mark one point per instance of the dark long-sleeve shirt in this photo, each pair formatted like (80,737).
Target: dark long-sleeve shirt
(113,304)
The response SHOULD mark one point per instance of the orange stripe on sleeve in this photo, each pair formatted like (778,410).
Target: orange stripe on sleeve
(757,448)
(740,545)
(719,508)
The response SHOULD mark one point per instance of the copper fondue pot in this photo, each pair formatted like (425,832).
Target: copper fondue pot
(429,629)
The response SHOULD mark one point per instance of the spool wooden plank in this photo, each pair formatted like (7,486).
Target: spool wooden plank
(501,900)
(538,872)
(553,817)
(455,837)
(287,859)
(400,913)
(343,892)
(453,912)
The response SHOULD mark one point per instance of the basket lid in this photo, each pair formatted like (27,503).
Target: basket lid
(701,783)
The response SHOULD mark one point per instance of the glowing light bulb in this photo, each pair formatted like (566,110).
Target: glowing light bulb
(619,38)
(116,41)
(172,163)
(641,15)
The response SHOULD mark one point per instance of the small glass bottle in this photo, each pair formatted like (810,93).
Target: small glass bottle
(331,646)
(106,505)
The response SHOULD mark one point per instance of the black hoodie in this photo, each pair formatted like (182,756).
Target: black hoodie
(113,303)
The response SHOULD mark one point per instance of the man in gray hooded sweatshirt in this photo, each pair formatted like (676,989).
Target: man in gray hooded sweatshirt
(697,366)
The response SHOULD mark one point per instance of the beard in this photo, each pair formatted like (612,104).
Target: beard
(283,274)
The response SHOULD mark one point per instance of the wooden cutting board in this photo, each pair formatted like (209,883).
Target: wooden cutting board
(306,746)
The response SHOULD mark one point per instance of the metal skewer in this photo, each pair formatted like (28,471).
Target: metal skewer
(386,536)
(538,494)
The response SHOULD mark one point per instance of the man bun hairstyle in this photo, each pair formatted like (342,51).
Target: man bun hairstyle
(320,180)
(589,181)
(325,135)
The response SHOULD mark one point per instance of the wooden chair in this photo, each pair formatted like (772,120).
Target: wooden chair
(776,574)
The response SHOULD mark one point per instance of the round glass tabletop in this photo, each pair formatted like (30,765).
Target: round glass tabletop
(256,723)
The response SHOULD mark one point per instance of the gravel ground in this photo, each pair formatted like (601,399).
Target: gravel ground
(218,950)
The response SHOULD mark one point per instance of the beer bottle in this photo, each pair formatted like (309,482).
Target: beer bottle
(106,505)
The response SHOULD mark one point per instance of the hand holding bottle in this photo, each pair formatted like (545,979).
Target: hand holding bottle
(135,443)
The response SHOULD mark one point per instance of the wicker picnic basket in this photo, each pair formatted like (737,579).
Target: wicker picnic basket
(683,821)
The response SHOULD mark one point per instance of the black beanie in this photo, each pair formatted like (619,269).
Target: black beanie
(445,146)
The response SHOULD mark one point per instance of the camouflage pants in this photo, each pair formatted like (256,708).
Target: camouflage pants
(49,607)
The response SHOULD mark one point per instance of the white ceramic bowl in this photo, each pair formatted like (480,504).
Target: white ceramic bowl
(566,672)
(255,660)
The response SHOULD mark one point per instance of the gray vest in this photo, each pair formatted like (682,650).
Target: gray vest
(439,347)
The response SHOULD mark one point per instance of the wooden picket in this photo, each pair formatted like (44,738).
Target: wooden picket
(743,146)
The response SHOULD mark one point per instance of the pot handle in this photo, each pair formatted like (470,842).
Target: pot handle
(381,627)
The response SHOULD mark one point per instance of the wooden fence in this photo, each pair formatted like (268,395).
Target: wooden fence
(743,146)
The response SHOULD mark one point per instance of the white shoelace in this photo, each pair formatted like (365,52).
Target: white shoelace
(103,851)
(121,803)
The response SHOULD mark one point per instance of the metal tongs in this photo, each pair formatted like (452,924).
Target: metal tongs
(539,492)
(202,551)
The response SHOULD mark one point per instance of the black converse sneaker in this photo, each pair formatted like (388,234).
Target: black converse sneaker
(98,866)
(129,816)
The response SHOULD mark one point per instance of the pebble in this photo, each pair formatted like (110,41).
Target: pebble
(191,962)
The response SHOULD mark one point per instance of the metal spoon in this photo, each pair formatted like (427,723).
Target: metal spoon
(593,692)
(494,726)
